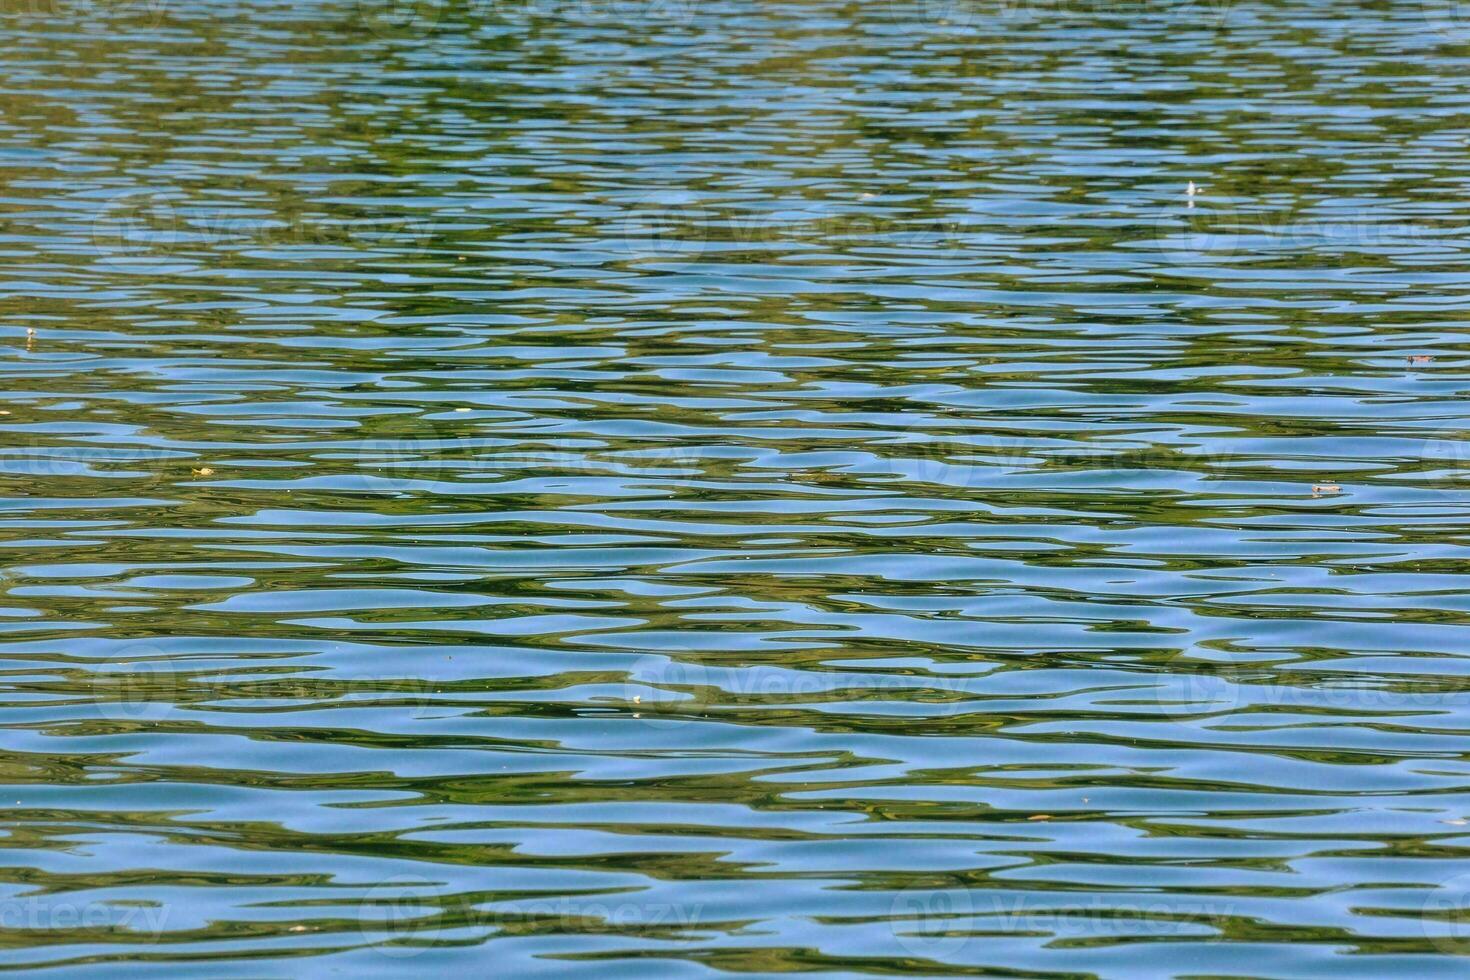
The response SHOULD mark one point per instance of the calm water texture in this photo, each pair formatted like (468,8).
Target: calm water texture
(648,487)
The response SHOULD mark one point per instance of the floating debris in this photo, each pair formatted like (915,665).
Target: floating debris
(1421,358)
(1326,488)
(1040,816)
(203,471)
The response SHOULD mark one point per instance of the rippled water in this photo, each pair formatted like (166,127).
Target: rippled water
(698,488)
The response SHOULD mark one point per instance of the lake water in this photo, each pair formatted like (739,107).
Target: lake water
(649,487)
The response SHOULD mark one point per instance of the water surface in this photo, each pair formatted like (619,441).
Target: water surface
(654,487)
